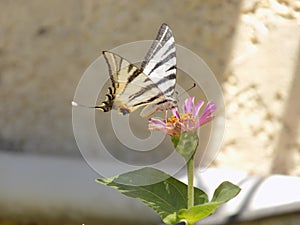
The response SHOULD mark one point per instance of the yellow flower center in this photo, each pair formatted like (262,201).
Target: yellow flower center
(173,119)
(187,116)
(183,118)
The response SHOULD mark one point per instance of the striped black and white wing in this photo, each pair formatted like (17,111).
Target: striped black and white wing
(153,84)
(130,87)
(160,66)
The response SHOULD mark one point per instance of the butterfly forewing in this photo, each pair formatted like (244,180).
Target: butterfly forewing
(132,88)
(160,61)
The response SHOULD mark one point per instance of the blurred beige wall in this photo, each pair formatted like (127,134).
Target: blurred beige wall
(251,46)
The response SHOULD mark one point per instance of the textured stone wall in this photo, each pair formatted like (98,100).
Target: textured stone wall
(252,47)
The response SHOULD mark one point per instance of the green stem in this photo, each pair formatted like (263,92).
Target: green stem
(190,173)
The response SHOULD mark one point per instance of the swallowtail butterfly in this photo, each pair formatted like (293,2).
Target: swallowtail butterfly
(151,85)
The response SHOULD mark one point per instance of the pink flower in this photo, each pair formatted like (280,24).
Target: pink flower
(187,121)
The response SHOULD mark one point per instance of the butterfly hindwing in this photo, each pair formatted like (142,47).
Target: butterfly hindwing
(128,85)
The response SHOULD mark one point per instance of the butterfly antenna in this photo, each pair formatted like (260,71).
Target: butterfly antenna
(76,104)
(187,90)
(194,85)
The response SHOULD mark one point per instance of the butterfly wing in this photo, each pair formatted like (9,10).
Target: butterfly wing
(152,84)
(160,61)
(160,65)
(130,87)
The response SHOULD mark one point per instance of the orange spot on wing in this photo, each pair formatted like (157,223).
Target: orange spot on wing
(124,110)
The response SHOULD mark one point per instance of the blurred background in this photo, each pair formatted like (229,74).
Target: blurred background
(252,46)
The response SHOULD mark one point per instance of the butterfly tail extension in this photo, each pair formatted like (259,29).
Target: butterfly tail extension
(107,105)
(104,106)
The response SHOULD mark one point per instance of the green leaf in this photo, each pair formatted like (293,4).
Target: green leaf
(166,197)
(186,144)
(196,213)
(223,193)
(175,140)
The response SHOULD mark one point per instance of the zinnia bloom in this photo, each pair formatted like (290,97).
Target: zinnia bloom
(187,121)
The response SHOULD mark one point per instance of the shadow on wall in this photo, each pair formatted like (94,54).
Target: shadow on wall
(288,147)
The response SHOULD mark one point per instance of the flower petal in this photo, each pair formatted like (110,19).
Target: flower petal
(188,121)
(185,106)
(191,105)
(156,124)
(207,114)
(190,125)
(210,107)
(176,113)
(202,121)
(197,108)
(156,121)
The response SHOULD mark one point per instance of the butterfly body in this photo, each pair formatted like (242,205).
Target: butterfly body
(151,85)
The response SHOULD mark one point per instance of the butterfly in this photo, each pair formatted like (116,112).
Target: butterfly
(151,85)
